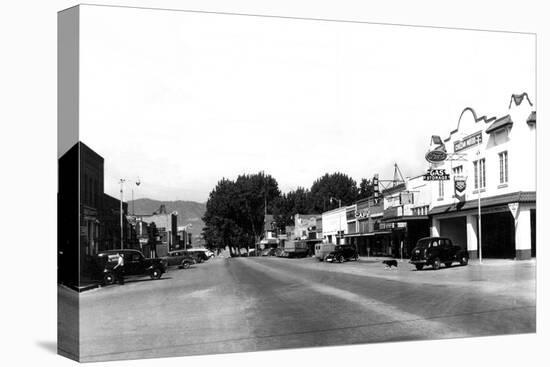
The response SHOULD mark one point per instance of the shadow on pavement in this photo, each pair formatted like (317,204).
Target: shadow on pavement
(48,345)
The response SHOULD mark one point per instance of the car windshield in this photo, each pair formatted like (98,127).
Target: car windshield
(427,242)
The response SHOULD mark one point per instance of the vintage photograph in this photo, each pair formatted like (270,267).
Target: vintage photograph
(239,183)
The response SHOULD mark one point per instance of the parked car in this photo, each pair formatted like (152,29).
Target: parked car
(342,253)
(434,251)
(200,254)
(268,252)
(279,252)
(135,264)
(180,258)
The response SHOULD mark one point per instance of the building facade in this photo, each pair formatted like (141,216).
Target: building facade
(492,162)
(334,223)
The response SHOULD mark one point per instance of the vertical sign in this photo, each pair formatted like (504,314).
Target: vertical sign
(460,188)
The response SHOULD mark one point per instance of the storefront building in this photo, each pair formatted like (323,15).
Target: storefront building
(406,207)
(492,167)
(368,233)
(334,225)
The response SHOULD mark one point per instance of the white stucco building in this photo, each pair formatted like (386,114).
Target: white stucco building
(497,158)
(334,225)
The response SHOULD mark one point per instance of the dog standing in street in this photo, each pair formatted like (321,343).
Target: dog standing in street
(390,263)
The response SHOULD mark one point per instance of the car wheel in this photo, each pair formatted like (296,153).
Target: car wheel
(341,259)
(156,274)
(463,261)
(185,265)
(109,279)
(437,264)
(448,264)
(419,266)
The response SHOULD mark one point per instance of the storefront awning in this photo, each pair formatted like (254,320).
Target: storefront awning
(517,197)
(369,234)
(405,218)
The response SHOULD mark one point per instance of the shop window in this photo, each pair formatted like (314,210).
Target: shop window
(503,163)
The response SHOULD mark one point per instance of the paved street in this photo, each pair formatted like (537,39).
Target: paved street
(251,304)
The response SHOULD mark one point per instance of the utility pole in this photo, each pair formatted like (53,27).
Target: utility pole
(479,204)
(121,214)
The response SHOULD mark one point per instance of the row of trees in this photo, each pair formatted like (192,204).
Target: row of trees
(235,210)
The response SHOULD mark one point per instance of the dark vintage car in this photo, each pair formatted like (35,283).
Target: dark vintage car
(269,251)
(434,251)
(135,264)
(342,253)
(182,259)
(200,255)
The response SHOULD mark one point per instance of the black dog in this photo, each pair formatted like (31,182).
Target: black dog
(390,263)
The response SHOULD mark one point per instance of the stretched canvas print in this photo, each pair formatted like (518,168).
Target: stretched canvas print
(238,183)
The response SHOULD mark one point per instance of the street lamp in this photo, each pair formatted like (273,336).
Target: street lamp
(122,181)
(339,201)
(478,154)
(186,235)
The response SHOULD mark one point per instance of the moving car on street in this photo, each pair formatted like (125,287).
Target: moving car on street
(200,254)
(135,264)
(180,258)
(434,251)
(342,253)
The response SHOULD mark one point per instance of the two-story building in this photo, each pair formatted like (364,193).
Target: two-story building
(406,207)
(492,163)
(335,226)
(366,231)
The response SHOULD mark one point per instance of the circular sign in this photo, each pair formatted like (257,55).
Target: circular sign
(436,156)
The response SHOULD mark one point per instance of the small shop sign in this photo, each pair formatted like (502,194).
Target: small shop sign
(460,188)
(436,175)
(468,141)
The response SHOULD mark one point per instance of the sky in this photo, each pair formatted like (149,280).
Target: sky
(183,99)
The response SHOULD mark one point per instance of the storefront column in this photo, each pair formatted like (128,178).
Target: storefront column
(435,229)
(523,233)
(471,235)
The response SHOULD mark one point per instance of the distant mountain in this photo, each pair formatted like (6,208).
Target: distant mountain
(188,211)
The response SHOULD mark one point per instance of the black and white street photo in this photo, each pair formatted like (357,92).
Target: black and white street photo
(239,183)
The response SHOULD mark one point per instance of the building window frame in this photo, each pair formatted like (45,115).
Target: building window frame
(441,189)
(503,162)
(480,178)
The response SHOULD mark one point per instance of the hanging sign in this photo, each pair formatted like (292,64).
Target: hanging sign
(460,188)
(513,208)
(436,175)
(437,152)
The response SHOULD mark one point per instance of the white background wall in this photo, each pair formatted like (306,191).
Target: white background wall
(28,149)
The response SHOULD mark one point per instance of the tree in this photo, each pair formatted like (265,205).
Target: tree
(292,203)
(235,210)
(338,186)
(366,189)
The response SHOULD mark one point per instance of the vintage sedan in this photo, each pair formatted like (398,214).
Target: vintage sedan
(135,264)
(342,253)
(181,259)
(434,251)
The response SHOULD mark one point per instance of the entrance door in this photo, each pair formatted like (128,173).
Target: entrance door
(498,235)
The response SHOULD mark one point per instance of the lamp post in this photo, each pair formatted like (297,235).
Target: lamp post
(186,235)
(478,154)
(122,181)
(339,201)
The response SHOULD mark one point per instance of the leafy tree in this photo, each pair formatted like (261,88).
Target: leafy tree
(336,185)
(287,205)
(235,210)
(366,189)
